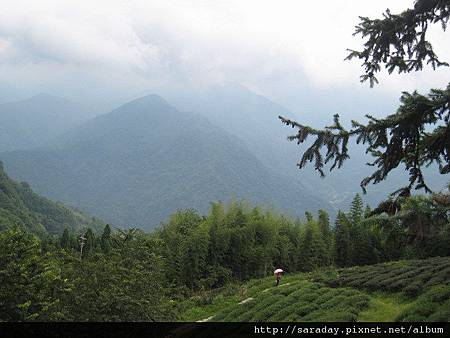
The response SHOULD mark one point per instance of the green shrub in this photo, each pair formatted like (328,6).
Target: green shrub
(433,305)
(410,277)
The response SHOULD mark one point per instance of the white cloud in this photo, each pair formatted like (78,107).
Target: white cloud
(194,42)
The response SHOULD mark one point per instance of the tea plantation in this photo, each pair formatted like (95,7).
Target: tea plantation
(415,290)
(410,277)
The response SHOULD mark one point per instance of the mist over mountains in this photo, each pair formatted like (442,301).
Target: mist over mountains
(29,123)
(140,162)
(137,164)
(254,119)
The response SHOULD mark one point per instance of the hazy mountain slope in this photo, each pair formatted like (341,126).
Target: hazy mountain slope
(20,206)
(251,117)
(29,123)
(139,163)
(254,119)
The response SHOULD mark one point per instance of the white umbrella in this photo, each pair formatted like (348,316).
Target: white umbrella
(278,271)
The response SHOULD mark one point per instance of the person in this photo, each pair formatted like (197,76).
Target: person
(278,276)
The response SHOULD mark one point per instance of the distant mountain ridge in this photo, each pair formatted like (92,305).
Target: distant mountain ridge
(137,164)
(253,118)
(29,123)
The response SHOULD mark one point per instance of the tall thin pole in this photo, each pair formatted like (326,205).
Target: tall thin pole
(82,242)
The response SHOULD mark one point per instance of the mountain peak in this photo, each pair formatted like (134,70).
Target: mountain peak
(144,106)
(151,99)
(149,103)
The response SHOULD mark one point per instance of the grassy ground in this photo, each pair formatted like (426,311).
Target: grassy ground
(199,312)
(334,295)
(384,307)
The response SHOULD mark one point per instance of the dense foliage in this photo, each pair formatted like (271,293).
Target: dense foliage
(21,207)
(125,284)
(239,242)
(132,275)
(72,270)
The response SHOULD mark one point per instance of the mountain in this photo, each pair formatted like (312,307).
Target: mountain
(34,121)
(250,117)
(137,164)
(254,119)
(20,206)
(9,93)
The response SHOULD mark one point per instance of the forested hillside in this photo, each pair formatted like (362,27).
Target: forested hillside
(195,266)
(139,163)
(21,207)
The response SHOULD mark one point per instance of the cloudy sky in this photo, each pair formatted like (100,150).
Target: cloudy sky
(286,49)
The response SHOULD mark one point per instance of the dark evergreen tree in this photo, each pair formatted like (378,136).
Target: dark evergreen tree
(73,240)
(412,226)
(326,233)
(367,211)
(89,246)
(418,134)
(312,253)
(356,210)
(105,240)
(423,222)
(361,249)
(342,244)
(65,239)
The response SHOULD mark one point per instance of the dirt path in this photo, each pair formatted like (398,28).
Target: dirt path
(265,290)
(246,300)
(205,320)
(242,302)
